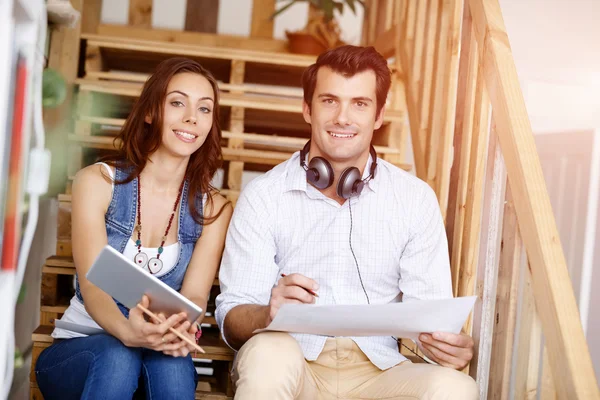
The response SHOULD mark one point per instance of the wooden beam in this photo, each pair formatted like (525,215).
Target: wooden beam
(568,351)
(385,43)
(424,88)
(459,176)
(507,294)
(185,49)
(447,113)
(202,16)
(373,16)
(529,341)
(410,24)
(418,42)
(262,24)
(92,9)
(294,143)
(477,163)
(412,97)
(441,117)
(487,267)
(194,38)
(140,13)
(272,103)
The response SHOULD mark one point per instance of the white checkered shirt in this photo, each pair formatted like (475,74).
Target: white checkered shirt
(282,224)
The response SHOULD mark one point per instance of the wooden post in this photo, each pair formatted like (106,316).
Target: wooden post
(418,42)
(568,351)
(262,24)
(236,125)
(507,294)
(202,16)
(529,341)
(472,225)
(92,10)
(487,270)
(441,118)
(140,13)
(459,176)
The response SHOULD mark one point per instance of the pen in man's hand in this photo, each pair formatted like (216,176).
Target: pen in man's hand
(308,290)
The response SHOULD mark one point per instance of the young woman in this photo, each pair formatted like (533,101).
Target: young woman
(153,201)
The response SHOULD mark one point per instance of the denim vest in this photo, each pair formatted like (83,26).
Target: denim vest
(120,220)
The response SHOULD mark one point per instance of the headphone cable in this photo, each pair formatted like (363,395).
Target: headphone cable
(361,281)
(353,255)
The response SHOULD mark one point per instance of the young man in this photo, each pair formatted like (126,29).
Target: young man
(368,234)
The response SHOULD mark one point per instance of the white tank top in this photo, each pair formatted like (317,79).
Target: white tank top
(76,312)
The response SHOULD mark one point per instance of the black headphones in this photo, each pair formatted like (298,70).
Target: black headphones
(320,174)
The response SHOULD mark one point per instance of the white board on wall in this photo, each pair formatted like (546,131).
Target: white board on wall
(169,14)
(234,17)
(115,12)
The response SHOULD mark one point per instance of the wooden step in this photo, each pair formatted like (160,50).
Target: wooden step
(262,157)
(124,76)
(197,51)
(294,143)
(61,308)
(171,36)
(210,342)
(252,101)
(64,265)
(41,340)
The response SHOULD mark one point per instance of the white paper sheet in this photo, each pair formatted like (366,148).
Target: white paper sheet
(404,320)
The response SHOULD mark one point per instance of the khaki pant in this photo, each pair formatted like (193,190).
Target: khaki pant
(271,366)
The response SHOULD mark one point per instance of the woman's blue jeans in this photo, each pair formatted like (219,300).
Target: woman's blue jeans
(102,367)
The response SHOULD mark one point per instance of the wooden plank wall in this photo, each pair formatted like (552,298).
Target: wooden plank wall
(486,75)
(429,34)
(555,302)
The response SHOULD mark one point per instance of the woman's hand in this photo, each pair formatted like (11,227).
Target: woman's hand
(184,348)
(150,335)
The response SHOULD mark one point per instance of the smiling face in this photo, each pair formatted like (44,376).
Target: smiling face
(187,114)
(343,117)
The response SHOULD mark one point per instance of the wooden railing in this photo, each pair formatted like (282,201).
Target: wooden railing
(473,143)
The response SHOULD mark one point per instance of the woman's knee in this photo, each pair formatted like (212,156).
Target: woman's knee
(169,377)
(83,366)
(113,355)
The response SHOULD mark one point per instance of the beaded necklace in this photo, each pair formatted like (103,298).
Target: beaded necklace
(155,264)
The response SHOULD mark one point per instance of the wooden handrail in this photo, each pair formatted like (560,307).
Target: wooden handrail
(555,302)
(488,77)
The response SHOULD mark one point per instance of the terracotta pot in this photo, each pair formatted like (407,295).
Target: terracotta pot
(303,43)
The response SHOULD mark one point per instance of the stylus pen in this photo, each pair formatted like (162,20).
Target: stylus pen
(308,290)
(151,314)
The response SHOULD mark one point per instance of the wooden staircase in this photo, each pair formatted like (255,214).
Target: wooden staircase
(455,84)
(261,112)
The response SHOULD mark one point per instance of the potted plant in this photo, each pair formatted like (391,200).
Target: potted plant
(321,31)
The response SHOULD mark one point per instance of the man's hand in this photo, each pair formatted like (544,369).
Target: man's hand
(448,349)
(291,289)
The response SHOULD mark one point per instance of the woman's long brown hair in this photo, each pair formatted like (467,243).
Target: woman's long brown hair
(140,139)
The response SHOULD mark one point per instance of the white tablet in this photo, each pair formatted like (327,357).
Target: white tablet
(126,282)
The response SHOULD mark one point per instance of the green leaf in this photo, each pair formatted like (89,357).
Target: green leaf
(339,7)
(328,10)
(282,9)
